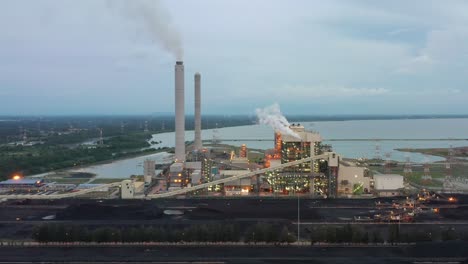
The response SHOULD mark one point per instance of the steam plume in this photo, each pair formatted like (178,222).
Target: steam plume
(156,21)
(273,117)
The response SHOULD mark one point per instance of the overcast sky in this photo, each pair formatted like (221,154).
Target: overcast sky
(311,57)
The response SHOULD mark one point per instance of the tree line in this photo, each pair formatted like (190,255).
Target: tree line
(394,234)
(52,232)
(256,233)
(43,158)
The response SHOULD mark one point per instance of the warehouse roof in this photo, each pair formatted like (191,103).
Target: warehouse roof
(388,182)
(22,181)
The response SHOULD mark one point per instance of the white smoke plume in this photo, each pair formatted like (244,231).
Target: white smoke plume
(155,20)
(272,116)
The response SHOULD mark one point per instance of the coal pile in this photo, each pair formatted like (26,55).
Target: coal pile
(92,211)
(462,198)
(206,213)
(460,213)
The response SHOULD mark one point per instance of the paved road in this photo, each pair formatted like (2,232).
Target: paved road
(437,252)
(385,223)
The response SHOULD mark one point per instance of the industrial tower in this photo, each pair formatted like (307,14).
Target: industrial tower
(198,141)
(179,112)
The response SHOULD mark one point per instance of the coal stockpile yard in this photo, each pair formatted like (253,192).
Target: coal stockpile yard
(198,210)
(261,209)
(99,211)
(219,209)
(461,213)
(19,219)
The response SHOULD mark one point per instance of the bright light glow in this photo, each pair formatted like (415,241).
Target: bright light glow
(16,177)
(451,199)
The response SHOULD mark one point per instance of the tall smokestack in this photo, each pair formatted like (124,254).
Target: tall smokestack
(198,141)
(179,113)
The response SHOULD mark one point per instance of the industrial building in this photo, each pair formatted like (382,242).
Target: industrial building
(319,177)
(302,145)
(149,171)
(195,177)
(326,181)
(130,188)
(177,176)
(240,162)
(127,189)
(22,183)
(325,178)
(236,187)
(388,184)
(207,165)
(289,182)
(353,179)
(243,151)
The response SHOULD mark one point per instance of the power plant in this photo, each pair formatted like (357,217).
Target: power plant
(297,163)
(179,113)
(139,188)
(179,171)
(299,166)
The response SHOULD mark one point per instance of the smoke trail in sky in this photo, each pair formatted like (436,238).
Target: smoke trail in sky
(273,117)
(155,20)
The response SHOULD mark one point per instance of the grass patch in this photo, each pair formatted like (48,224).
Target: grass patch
(442,152)
(415,177)
(70,180)
(107,180)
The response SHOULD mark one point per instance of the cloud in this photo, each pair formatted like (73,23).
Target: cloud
(333,49)
(416,64)
(399,31)
(363,91)
(327,91)
(454,91)
(447,49)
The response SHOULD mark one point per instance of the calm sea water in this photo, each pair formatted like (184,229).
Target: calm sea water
(127,167)
(358,129)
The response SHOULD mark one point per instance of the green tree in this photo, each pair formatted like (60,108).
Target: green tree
(449,234)
(420,236)
(42,233)
(393,233)
(102,235)
(357,236)
(286,236)
(330,235)
(377,237)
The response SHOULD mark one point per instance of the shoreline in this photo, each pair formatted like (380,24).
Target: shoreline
(104,162)
(438,152)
